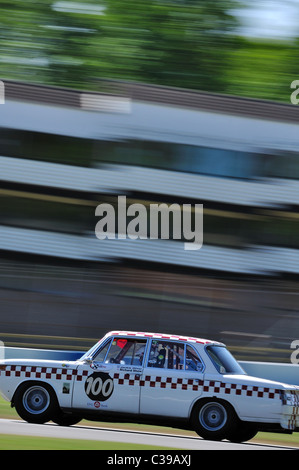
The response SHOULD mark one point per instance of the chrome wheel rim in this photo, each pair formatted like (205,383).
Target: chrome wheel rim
(36,400)
(212,416)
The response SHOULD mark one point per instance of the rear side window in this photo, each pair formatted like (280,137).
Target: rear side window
(193,362)
(166,355)
(173,355)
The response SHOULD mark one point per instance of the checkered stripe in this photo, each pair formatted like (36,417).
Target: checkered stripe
(127,379)
(176,383)
(161,382)
(36,372)
(158,336)
(240,389)
(211,386)
(171,382)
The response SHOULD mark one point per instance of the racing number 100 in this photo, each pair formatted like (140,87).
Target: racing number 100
(99,386)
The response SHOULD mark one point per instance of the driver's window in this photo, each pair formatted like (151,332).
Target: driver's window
(126,351)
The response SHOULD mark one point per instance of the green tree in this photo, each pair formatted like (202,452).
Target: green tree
(178,43)
(39,43)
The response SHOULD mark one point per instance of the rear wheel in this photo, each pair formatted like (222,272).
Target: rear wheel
(214,419)
(35,402)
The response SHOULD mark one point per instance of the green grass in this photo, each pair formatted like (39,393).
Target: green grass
(6,412)
(12,442)
(291,440)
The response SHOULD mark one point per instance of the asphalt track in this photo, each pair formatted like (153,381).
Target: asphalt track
(21,428)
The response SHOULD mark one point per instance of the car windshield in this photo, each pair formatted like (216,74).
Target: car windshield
(223,360)
(90,352)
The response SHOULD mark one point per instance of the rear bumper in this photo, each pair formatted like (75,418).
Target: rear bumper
(290,409)
(290,417)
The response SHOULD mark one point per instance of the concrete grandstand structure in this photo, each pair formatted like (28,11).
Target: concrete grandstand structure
(238,157)
(64,151)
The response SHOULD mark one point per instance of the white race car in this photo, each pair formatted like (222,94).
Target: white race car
(170,380)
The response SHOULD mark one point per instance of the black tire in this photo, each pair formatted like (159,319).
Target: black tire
(65,419)
(214,419)
(243,433)
(35,402)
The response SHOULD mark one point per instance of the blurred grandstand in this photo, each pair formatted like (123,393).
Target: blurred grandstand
(64,151)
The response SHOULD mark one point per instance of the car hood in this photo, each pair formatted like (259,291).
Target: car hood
(38,363)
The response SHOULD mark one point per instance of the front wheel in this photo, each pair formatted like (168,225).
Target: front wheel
(35,402)
(213,419)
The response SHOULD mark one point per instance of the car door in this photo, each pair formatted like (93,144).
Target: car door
(172,379)
(110,380)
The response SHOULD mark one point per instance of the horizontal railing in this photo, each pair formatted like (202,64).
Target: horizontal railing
(212,102)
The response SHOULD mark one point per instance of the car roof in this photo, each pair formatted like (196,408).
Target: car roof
(162,336)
